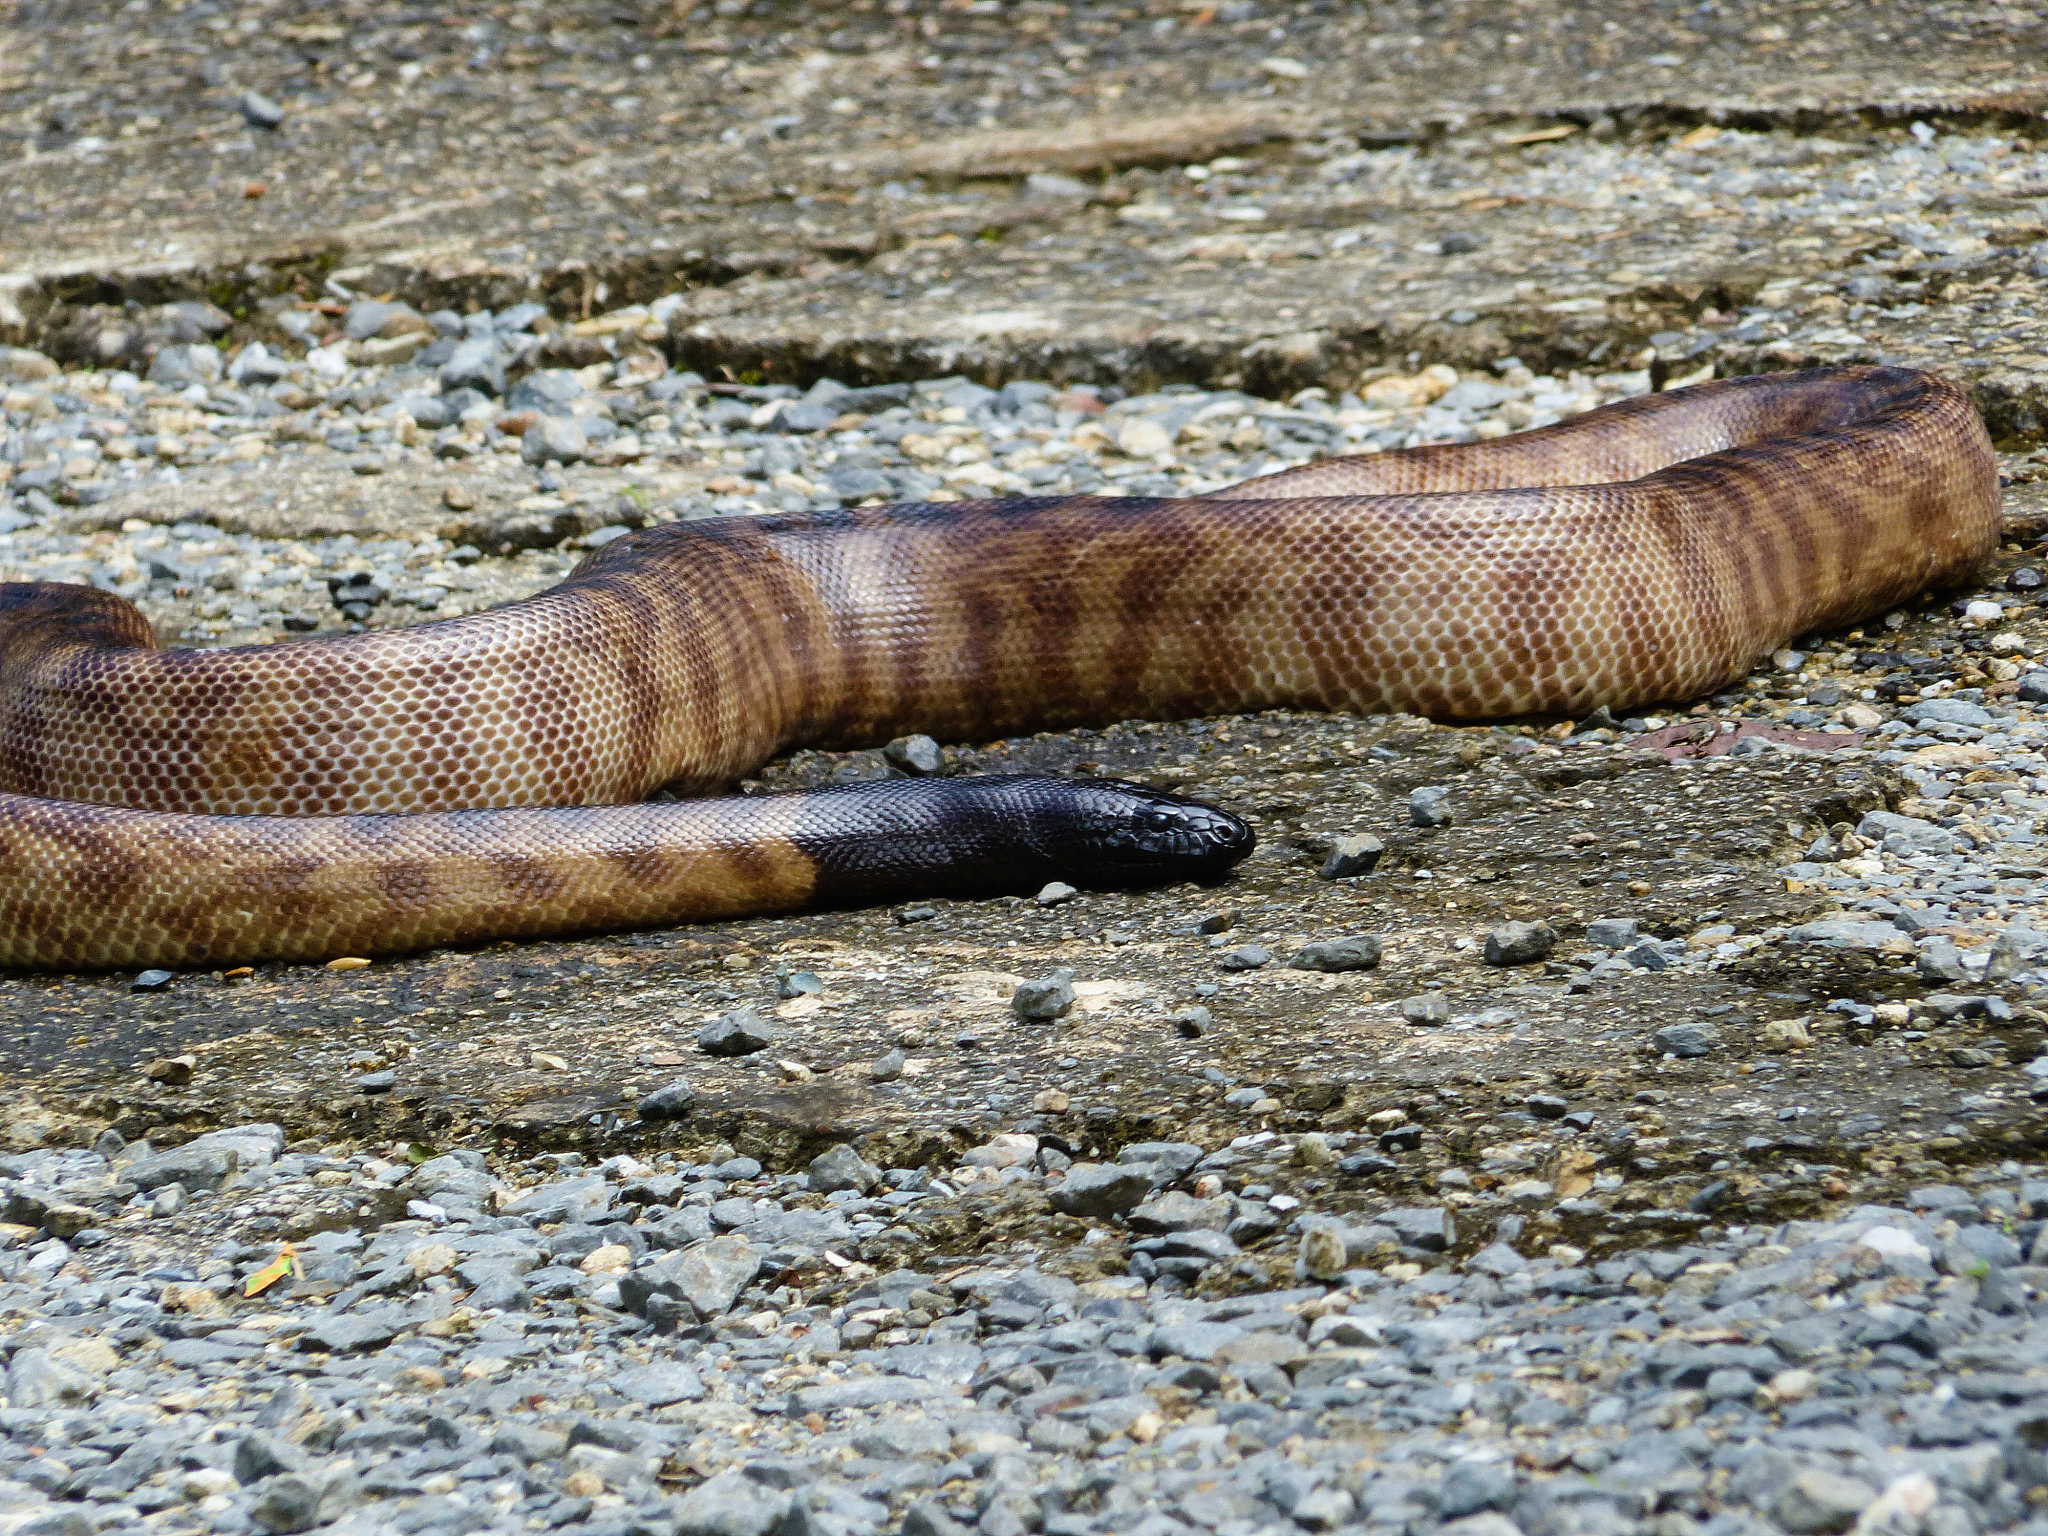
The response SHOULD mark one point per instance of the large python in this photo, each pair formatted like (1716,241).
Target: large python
(484,776)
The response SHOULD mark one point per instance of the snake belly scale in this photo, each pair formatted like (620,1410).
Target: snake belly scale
(484,776)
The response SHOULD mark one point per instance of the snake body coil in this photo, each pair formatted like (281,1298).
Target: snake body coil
(477,777)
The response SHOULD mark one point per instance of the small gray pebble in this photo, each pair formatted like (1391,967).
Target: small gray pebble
(1470,1486)
(797,983)
(1048,997)
(476,363)
(297,1502)
(258,1456)
(548,392)
(1360,952)
(928,1517)
(1686,1040)
(1940,960)
(259,111)
(1429,806)
(1520,943)
(1647,956)
(560,438)
(1820,1500)
(1102,1189)
(1352,855)
(840,1167)
(1612,932)
(739,1033)
(1426,1010)
(917,756)
(1432,1228)
(670,1102)
(1710,1198)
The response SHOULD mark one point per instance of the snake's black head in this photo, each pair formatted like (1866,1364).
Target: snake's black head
(1114,833)
(1004,834)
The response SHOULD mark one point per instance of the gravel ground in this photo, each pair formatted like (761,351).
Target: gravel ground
(679,1346)
(1571,245)
(1618,1125)
(589,130)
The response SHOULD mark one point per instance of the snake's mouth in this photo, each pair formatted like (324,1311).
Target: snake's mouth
(1130,834)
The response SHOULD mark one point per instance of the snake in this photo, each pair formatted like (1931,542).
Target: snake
(489,776)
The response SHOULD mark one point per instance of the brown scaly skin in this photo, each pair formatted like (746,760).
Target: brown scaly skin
(117,887)
(1646,551)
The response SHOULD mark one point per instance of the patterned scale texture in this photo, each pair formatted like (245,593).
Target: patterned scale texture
(1646,551)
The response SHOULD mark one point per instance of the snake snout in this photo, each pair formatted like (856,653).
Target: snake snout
(1128,834)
